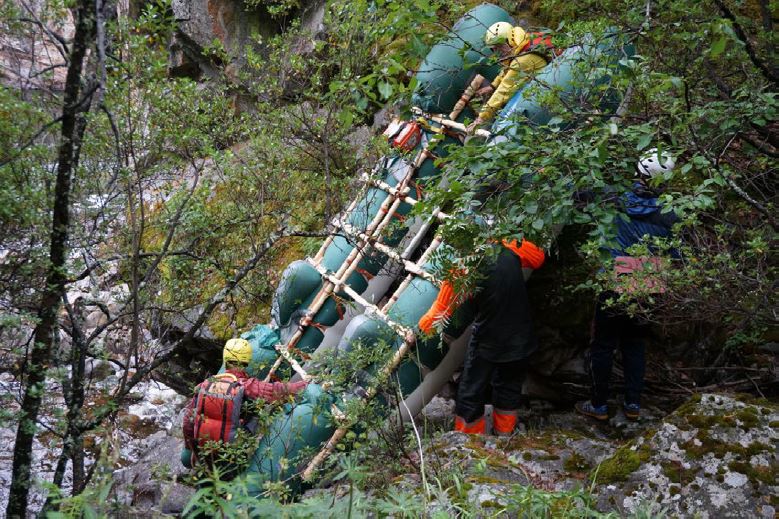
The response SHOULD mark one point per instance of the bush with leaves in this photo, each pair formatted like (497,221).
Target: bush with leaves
(702,88)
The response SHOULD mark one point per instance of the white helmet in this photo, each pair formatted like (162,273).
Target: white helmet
(652,164)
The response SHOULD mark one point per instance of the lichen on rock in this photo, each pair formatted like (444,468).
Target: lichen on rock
(714,452)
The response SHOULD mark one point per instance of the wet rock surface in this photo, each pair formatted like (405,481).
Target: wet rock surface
(153,484)
(232,26)
(36,63)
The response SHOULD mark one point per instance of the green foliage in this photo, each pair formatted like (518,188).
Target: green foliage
(697,94)
(176,177)
(98,500)
(219,460)
(275,8)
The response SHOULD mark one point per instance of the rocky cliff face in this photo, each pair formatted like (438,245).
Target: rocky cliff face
(231,26)
(37,62)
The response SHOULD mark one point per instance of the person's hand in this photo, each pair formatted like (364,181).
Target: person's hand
(296,387)
(485,91)
(474,125)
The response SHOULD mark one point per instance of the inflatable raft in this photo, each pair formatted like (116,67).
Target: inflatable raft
(370,282)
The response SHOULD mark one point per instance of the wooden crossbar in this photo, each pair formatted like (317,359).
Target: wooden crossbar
(285,353)
(410,266)
(381,219)
(449,123)
(468,94)
(406,282)
(357,298)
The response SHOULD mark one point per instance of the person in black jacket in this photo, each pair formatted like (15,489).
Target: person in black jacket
(612,328)
(502,339)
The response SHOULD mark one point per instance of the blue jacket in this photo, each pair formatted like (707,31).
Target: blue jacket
(644,218)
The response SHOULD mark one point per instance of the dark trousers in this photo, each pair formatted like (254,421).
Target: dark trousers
(612,329)
(482,378)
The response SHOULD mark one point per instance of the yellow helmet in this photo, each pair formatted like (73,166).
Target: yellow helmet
(498,33)
(237,351)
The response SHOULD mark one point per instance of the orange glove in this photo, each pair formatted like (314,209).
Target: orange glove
(530,255)
(442,308)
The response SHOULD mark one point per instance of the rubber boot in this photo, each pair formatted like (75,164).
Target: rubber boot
(478,426)
(503,422)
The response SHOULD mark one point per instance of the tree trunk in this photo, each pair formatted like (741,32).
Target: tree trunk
(38,357)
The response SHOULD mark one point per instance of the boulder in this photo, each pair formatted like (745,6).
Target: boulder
(94,319)
(153,483)
(713,457)
(97,370)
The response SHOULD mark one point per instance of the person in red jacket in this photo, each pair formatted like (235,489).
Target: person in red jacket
(502,340)
(237,355)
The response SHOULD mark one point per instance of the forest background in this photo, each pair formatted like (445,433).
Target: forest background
(191,187)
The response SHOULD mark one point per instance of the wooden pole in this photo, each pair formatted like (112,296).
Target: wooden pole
(470,90)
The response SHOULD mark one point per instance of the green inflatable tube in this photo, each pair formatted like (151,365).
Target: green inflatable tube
(451,64)
(568,73)
(305,425)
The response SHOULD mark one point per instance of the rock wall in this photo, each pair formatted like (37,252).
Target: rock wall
(35,61)
(233,26)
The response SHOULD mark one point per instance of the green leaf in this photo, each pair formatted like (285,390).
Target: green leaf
(602,153)
(644,141)
(538,224)
(718,46)
(346,117)
(385,89)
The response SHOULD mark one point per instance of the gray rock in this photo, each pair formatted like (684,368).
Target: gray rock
(716,458)
(312,18)
(438,411)
(98,370)
(230,23)
(154,482)
(170,498)
(35,63)
(94,319)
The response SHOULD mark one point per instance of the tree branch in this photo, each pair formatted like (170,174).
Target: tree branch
(768,72)
(215,301)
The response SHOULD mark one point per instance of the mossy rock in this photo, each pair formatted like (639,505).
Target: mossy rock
(622,464)
(576,463)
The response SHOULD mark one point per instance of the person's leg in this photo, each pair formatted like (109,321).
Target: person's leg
(472,391)
(507,380)
(606,328)
(633,346)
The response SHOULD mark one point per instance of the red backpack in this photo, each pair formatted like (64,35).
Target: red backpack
(218,409)
(541,44)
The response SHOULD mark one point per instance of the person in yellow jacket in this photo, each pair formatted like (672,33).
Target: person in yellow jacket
(495,362)
(519,61)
